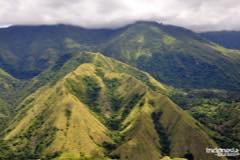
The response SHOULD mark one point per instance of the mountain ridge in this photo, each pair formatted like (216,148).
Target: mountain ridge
(138,44)
(67,107)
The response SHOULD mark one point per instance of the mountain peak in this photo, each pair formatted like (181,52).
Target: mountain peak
(104,108)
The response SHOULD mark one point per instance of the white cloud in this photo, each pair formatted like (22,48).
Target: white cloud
(194,14)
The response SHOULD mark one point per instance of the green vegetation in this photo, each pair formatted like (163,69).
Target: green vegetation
(164,139)
(111,85)
(113,123)
(218,110)
(132,103)
(89,93)
(58,100)
(59,120)
(172,54)
(92,89)
(176,56)
(189,156)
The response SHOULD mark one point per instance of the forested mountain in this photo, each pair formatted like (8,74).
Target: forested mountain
(173,55)
(144,91)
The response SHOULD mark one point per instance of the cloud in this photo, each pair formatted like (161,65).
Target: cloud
(198,15)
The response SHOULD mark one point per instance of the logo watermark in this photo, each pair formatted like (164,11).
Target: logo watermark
(223,152)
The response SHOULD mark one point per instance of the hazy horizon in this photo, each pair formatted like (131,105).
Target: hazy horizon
(203,15)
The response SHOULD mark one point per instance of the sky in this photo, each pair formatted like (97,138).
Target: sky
(198,15)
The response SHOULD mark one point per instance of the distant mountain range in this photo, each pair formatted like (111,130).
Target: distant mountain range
(227,39)
(173,55)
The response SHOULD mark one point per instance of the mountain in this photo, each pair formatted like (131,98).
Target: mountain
(8,86)
(103,109)
(173,55)
(25,51)
(59,99)
(176,56)
(227,39)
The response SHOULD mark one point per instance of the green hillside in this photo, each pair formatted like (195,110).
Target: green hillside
(103,109)
(8,87)
(176,56)
(60,100)
(217,109)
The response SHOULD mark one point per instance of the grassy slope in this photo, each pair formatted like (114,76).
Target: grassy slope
(54,121)
(8,86)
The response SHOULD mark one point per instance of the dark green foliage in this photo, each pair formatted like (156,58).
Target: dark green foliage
(113,123)
(90,94)
(185,60)
(99,72)
(162,133)
(114,157)
(60,62)
(68,112)
(142,102)
(184,70)
(37,123)
(189,156)
(44,138)
(30,151)
(8,154)
(109,146)
(112,85)
(131,103)
(93,89)
(218,110)
(4,150)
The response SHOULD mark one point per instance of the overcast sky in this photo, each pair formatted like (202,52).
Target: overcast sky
(199,15)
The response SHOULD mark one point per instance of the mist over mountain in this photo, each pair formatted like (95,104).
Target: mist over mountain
(204,15)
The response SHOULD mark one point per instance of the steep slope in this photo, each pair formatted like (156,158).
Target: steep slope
(25,51)
(8,87)
(176,56)
(104,108)
(227,39)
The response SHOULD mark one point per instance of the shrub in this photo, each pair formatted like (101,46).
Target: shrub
(164,139)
